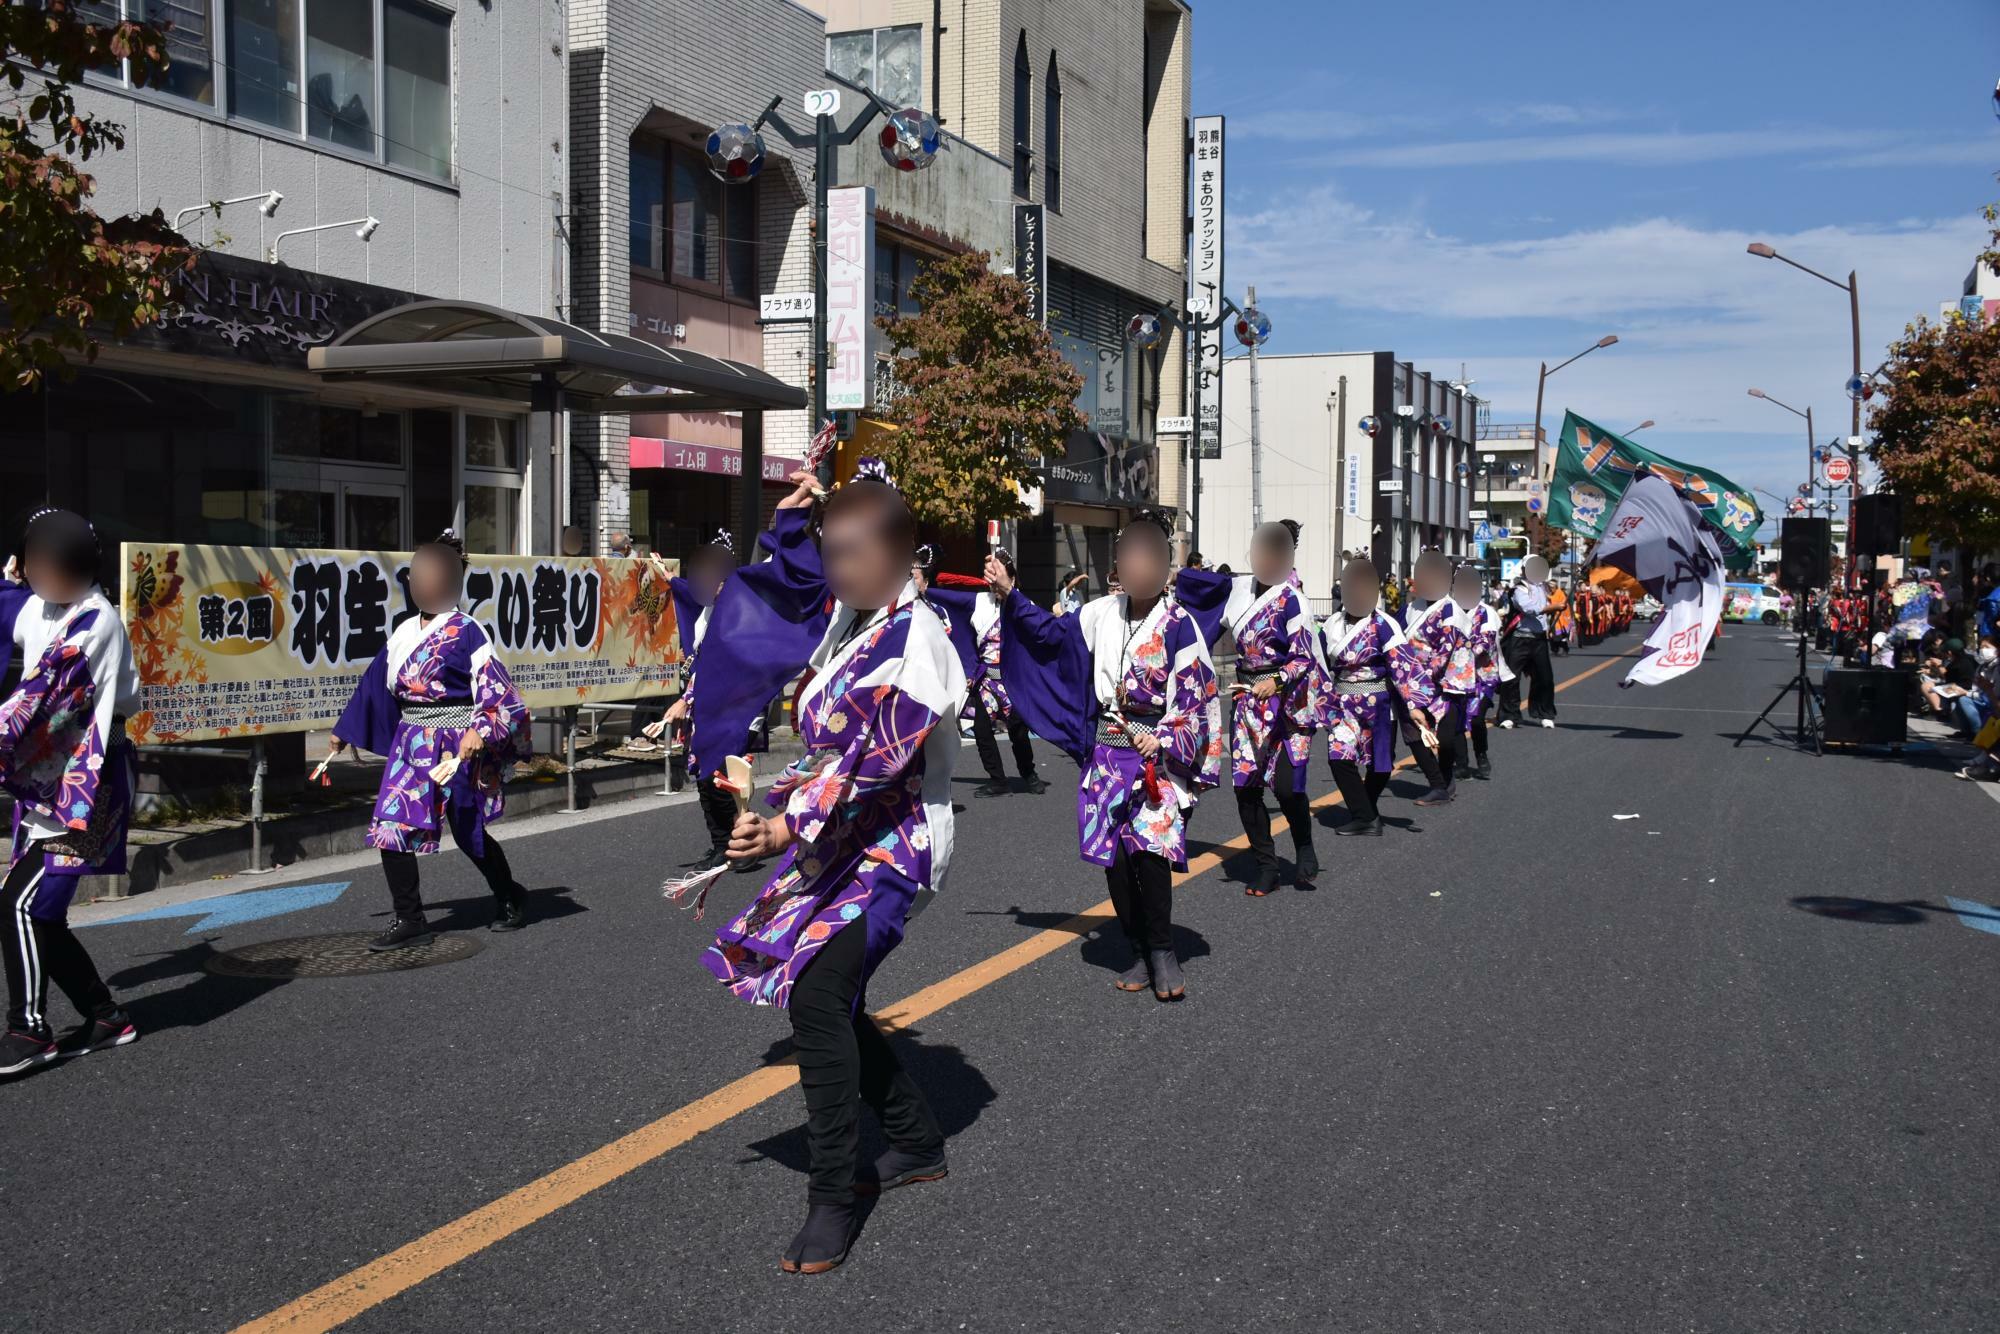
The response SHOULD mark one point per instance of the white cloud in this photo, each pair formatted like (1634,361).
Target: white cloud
(1639,148)
(1699,320)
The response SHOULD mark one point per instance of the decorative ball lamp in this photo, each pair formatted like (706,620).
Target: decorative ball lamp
(1370,426)
(910,139)
(1253,327)
(735,153)
(1144,331)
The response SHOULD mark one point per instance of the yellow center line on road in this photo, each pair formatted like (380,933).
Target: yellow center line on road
(333,1304)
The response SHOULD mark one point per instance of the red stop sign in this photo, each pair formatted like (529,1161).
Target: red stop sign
(1838,470)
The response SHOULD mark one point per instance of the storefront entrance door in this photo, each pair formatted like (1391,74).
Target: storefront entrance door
(330,510)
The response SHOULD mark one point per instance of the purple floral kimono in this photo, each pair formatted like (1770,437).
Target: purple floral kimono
(1071,676)
(1371,668)
(1490,666)
(1274,634)
(869,805)
(431,685)
(992,690)
(63,753)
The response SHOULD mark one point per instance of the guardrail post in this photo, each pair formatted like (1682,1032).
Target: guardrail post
(258,768)
(569,748)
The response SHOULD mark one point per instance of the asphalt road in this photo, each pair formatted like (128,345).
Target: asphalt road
(1518,1065)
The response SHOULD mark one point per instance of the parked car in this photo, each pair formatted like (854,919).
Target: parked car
(1752,602)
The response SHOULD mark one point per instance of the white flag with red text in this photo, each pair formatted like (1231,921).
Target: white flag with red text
(1657,537)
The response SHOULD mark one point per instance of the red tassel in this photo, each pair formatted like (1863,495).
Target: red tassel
(1151,779)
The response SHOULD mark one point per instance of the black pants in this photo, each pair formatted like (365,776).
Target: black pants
(401,870)
(1363,795)
(988,743)
(1142,894)
(1451,736)
(1427,761)
(1478,731)
(718,812)
(1257,817)
(38,951)
(1528,658)
(845,1061)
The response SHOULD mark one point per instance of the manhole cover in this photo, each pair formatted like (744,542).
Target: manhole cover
(344,954)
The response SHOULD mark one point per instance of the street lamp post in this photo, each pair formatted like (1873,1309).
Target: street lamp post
(1853,290)
(1541,385)
(1807,414)
(1252,328)
(736,155)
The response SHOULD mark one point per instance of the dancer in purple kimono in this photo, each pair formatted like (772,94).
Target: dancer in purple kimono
(1374,674)
(1433,625)
(437,692)
(694,591)
(1276,700)
(990,707)
(1490,668)
(65,761)
(864,830)
(1126,688)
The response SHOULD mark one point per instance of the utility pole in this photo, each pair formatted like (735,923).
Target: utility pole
(1256,444)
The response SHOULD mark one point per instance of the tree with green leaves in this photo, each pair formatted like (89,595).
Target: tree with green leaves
(1937,425)
(984,395)
(68,276)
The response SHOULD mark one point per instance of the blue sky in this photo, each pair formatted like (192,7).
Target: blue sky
(1501,184)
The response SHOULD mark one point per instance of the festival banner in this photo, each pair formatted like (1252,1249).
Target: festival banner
(1595,466)
(235,641)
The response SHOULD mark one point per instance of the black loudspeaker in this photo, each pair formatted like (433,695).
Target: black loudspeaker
(1867,706)
(1804,554)
(1878,525)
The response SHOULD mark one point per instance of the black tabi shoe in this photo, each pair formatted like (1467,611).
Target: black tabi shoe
(746,868)
(714,859)
(1137,977)
(1485,769)
(1464,771)
(1359,828)
(21,1052)
(1035,784)
(403,932)
(822,1243)
(897,1168)
(1265,883)
(1167,982)
(1308,865)
(113,1028)
(510,911)
(992,787)
(1437,796)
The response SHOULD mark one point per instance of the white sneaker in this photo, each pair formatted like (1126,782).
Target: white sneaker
(1548,722)
(1507,723)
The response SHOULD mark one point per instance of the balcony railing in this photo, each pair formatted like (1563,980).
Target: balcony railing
(1506,430)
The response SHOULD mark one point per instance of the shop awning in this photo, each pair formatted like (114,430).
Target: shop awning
(469,347)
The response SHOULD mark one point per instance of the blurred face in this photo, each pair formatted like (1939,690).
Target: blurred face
(50,581)
(864,568)
(1140,561)
(435,579)
(1466,587)
(708,573)
(1360,590)
(1433,576)
(1535,570)
(1271,554)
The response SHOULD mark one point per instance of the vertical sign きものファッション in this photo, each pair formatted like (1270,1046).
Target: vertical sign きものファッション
(1031,257)
(850,297)
(1205,281)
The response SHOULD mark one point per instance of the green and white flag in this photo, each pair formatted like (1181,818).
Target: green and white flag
(1595,466)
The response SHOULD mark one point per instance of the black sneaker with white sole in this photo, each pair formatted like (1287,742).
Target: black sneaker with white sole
(106,1031)
(403,932)
(21,1052)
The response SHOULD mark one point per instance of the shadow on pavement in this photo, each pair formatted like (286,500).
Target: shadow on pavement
(956,1089)
(473,914)
(1102,948)
(207,996)
(1620,731)
(1880,912)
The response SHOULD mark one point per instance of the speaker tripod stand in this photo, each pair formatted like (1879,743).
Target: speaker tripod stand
(1809,731)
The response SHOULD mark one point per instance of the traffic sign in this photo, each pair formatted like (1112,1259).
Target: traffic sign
(1838,470)
(1174,426)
